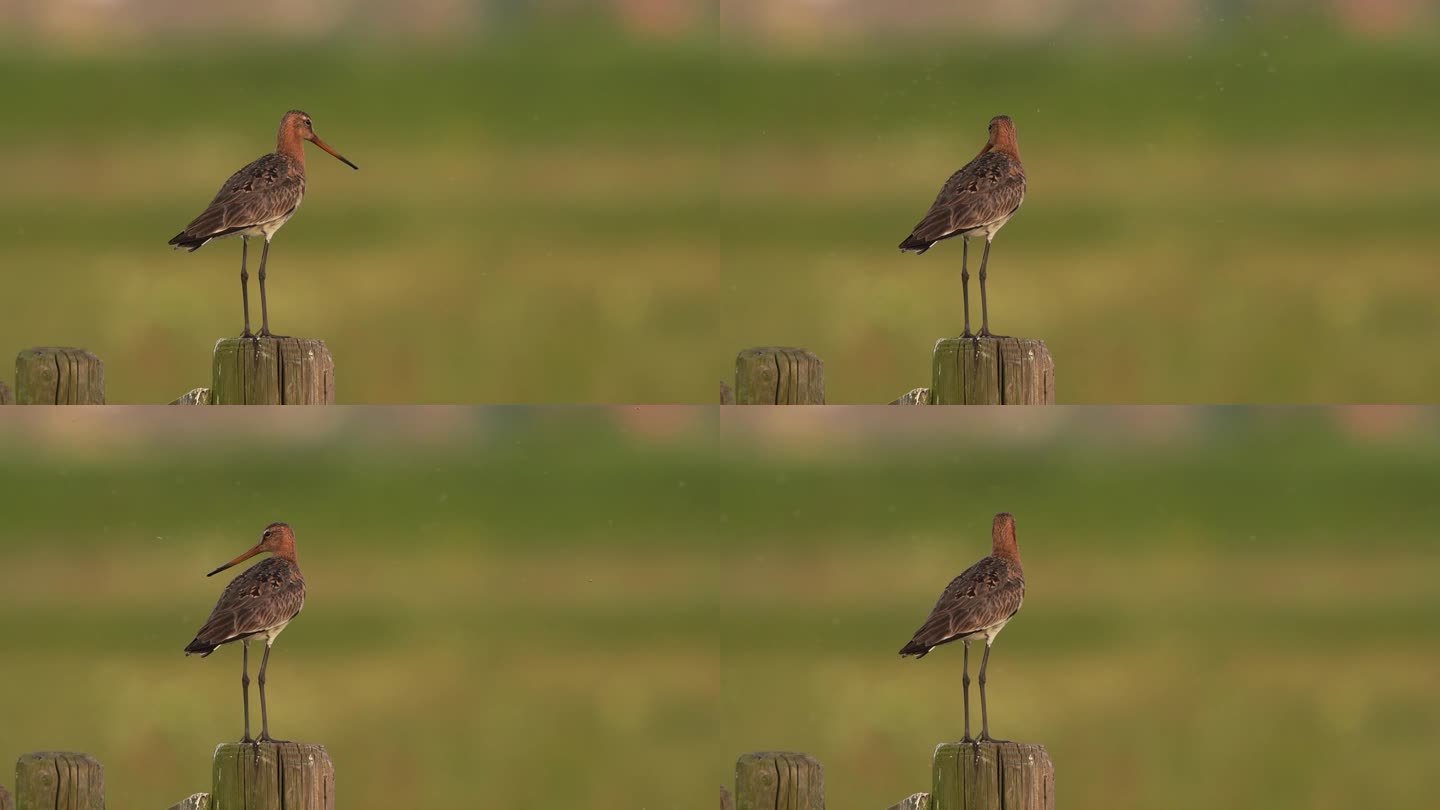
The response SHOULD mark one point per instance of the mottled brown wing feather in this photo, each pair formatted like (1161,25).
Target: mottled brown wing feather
(269,593)
(261,192)
(987,189)
(988,592)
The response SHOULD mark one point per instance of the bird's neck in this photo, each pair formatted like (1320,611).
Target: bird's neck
(1005,144)
(1007,551)
(291,145)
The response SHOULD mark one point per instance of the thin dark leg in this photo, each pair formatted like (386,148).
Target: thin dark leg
(264,307)
(245,286)
(984,709)
(984,303)
(966,681)
(245,688)
(965,293)
(264,714)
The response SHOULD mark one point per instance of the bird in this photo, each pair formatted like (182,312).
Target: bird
(976,201)
(974,606)
(255,606)
(256,201)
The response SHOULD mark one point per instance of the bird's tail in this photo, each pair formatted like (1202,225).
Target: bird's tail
(190,243)
(915,243)
(915,648)
(201,647)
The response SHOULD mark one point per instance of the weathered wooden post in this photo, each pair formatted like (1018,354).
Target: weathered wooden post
(992,776)
(778,780)
(992,371)
(6,398)
(272,371)
(272,776)
(49,779)
(6,803)
(916,801)
(59,376)
(199,801)
(775,375)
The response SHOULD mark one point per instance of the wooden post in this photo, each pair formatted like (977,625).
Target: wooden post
(992,776)
(195,396)
(59,376)
(778,780)
(199,801)
(6,398)
(48,779)
(272,776)
(272,371)
(778,376)
(917,801)
(992,371)
(6,803)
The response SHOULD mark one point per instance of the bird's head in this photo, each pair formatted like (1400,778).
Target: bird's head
(1002,136)
(297,126)
(278,539)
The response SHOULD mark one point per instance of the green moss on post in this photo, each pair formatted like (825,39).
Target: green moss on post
(272,371)
(778,780)
(992,371)
(51,375)
(272,776)
(50,779)
(992,776)
(778,376)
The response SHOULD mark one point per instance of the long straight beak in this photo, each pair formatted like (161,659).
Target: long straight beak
(323,145)
(242,558)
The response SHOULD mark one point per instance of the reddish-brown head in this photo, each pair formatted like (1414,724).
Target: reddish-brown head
(278,539)
(1002,538)
(295,127)
(1002,137)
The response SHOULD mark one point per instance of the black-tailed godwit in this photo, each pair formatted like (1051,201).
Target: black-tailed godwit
(256,605)
(976,201)
(976,605)
(256,201)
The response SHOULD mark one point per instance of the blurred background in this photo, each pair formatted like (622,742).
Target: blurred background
(1213,187)
(1224,607)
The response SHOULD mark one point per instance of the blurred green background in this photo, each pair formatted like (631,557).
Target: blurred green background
(1225,607)
(1213,188)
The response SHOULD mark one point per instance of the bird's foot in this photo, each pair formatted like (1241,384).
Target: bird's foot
(986,333)
(266,333)
(247,334)
(986,738)
(967,334)
(266,738)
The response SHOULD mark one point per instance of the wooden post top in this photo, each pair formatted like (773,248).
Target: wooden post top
(59,375)
(272,776)
(779,780)
(59,779)
(272,371)
(992,371)
(992,776)
(777,375)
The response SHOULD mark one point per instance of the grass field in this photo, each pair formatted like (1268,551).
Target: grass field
(605,608)
(1204,216)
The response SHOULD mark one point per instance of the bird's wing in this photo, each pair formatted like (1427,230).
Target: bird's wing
(989,188)
(262,192)
(267,595)
(989,592)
